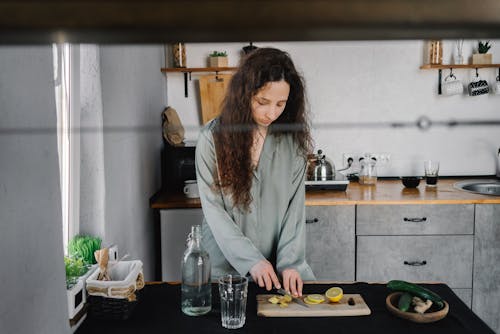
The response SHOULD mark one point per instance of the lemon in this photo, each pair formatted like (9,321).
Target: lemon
(334,294)
(315,298)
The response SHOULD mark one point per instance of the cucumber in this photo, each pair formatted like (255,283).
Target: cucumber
(405,302)
(416,290)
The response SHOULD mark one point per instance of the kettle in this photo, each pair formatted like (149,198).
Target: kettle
(319,168)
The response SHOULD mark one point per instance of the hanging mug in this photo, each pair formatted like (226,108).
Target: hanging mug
(496,85)
(452,86)
(478,87)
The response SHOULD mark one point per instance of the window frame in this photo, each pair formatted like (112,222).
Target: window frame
(67,87)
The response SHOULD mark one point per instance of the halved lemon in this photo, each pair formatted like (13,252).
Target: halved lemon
(334,294)
(315,298)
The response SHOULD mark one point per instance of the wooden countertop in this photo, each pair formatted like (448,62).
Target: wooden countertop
(384,192)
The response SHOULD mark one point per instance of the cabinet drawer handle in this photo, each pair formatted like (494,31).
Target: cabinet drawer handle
(415,220)
(312,221)
(415,263)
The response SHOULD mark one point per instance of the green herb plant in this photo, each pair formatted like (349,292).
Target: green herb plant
(75,267)
(218,54)
(84,246)
(483,47)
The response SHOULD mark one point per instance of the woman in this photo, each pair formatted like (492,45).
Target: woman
(250,167)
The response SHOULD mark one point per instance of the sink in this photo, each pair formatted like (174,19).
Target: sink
(484,187)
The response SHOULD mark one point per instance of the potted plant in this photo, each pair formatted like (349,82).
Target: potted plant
(75,269)
(79,264)
(482,57)
(218,59)
(84,246)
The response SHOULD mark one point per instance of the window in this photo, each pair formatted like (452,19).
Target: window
(65,65)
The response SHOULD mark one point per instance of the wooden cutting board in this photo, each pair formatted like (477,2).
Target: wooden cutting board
(212,91)
(326,309)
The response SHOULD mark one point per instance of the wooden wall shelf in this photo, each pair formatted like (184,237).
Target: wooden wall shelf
(189,70)
(451,66)
(442,67)
(197,69)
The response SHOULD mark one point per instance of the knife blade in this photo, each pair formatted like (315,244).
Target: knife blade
(299,301)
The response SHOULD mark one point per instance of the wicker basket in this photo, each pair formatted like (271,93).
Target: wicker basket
(112,308)
(116,299)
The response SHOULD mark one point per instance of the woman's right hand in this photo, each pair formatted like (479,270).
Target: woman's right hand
(263,274)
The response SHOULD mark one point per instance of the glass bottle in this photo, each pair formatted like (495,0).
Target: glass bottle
(196,291)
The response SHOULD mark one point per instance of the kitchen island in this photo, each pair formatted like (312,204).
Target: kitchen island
(381,232)
(159,311)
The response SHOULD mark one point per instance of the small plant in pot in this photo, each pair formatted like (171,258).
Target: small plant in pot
(75,285)
(218,59)
(75,268)
(78,265)
(482,56)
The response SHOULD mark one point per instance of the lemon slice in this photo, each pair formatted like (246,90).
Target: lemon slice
(315,298)
(308,302)
(334,294)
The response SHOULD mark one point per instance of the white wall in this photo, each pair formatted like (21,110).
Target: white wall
(375,81)
(133,99)
(33,297)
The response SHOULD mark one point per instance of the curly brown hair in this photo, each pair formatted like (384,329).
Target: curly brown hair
(233,132)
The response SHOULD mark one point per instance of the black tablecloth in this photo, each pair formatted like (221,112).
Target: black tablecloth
(158,311)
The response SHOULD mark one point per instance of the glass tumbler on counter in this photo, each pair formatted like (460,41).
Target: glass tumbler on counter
(431,169)
(233,300)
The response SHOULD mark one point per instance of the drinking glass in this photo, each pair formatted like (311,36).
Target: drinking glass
(233,300)
(431,168)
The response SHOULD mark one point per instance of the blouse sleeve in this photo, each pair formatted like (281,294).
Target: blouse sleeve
(291,252)
(238,250)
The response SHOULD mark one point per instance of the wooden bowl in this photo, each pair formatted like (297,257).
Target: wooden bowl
(430,315)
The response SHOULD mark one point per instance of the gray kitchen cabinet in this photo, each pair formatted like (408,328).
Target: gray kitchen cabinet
(330,244)
(426,219)
(416,243)
(486,287)
(175,227)
(416,258)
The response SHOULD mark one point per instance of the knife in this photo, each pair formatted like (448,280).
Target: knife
(295,299)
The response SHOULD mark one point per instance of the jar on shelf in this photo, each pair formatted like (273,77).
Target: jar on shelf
(179,54)
(435,52)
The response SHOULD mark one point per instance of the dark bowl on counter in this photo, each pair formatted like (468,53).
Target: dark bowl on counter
(411,181)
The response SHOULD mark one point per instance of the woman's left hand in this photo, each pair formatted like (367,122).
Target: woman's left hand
(292,282)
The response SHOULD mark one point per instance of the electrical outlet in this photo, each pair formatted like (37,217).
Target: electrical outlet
(355,159)
(383,159)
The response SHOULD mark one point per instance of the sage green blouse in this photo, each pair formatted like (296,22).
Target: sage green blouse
(273,229)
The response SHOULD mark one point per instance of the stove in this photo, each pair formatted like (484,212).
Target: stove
(339,183)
